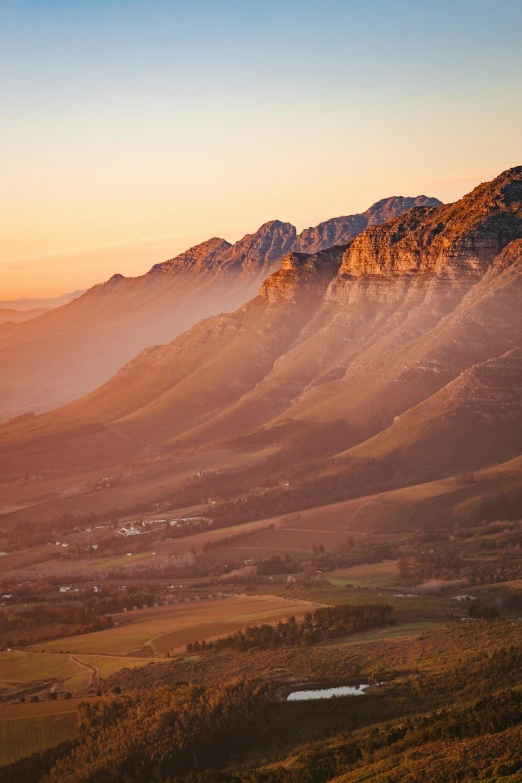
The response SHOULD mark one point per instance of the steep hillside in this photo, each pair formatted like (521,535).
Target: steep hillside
(486,495)
(389,361)
(75,348)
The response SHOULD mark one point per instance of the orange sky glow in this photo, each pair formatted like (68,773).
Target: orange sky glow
(133,131)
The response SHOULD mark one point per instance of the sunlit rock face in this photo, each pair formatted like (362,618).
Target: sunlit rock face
(409,335)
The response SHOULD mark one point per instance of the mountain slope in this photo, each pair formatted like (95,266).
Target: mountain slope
(406,317)
(73,349)
(8,315)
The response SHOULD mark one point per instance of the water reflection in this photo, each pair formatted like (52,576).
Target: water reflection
(328,693)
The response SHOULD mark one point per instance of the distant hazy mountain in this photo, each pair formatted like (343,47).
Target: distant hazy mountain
(18,316)
(44,304)
(76,347)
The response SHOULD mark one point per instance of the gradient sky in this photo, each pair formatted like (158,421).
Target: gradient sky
(131,130)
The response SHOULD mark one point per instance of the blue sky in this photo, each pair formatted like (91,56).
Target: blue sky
(130,130)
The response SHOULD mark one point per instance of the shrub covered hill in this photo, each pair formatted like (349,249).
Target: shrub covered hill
(447,707)
(392,359)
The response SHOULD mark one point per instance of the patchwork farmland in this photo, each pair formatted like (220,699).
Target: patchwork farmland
(165,628)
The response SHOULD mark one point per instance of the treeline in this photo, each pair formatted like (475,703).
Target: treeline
(10,621)
(44,621)
(328,622)
(32,533)
(322,763)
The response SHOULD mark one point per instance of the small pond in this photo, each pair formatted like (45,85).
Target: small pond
(328,693)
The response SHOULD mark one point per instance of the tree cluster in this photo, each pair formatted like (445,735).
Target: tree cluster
(328,622)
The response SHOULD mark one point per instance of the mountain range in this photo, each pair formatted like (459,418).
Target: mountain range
(389,360)
(71,350)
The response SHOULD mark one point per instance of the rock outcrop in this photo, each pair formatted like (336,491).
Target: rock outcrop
(450,241)
(302,276)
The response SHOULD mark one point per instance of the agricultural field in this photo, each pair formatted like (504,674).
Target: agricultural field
(373,575)
(30,557)
(399,631)
(171,627)
(407,606)
(22,736)
(327,525)
(19,669)
(110,664)
(119,560)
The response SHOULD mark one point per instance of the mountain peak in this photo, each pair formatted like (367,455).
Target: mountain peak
(202,257)
(387,208)
(450,240)
(340,230)
(255,254)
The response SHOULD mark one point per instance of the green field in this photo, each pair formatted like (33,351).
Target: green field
(20,737)
(393,632)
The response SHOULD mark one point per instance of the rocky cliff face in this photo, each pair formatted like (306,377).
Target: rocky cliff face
(340,230)
(257,255)
(260,253)
(302,276)
(449,241)
(253,256)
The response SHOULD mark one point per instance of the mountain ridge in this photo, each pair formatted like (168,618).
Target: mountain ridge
(73,349)
(365,366)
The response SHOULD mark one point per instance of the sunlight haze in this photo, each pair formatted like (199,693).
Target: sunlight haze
(129,135)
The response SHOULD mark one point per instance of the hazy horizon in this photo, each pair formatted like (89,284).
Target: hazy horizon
(132,133)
